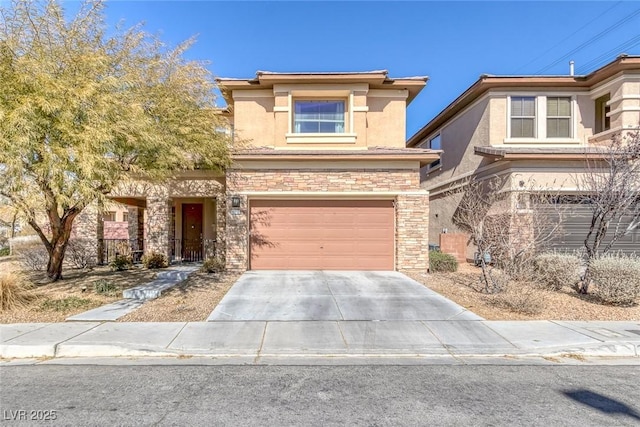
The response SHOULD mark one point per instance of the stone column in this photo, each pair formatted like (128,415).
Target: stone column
(158,225)
(136,230)
(88,226)
(237,235)
(412,231)
(221,226)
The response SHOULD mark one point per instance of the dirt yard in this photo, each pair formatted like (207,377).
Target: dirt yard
(523,302)
(54,302)
(194,299)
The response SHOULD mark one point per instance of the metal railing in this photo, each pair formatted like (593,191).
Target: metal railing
(192,250)
(181,250)
(108,249)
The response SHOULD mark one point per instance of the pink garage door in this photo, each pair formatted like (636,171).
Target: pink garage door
(322,235)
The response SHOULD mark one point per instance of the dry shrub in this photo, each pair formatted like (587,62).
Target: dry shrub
(616,279)
(81,253)
(155,260)
(32,255)
(213,265)
(554,270)
(520,298)
(14,291)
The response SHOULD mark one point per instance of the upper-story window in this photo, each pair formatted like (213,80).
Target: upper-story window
(319,116)
(603,121)
(109,216)
(523,117)
(435,144)
(540,117)
(558,117)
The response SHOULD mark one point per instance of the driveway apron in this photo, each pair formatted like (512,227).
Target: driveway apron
(334,296)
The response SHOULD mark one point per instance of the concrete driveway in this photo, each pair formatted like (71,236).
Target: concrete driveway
(333,295)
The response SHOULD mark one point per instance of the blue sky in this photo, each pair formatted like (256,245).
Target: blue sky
(451,42)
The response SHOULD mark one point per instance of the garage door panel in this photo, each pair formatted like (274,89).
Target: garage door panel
(323,234)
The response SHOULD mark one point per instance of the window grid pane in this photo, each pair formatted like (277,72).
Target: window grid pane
(523,116)
(319,117)
(558,117)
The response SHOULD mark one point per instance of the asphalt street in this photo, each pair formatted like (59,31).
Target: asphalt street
(320,395)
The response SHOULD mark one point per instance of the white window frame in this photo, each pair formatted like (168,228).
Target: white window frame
(541,119)
(345,112)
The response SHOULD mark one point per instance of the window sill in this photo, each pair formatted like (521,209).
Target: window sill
(320,138)
(541,141)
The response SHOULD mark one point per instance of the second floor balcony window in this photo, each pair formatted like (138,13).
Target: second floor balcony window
(316,116)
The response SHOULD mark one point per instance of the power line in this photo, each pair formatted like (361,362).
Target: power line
(605,57)
(598,17)
(591,40)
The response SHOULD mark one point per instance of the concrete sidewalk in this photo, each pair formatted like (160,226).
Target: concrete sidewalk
(254,340)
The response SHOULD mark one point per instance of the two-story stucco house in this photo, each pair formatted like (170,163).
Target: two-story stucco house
(321,179)
(527,129)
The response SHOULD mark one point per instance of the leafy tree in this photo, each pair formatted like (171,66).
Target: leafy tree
(611,189)
(83,107)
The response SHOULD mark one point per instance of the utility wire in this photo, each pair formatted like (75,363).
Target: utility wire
(598,17)
(591,40)
(605,57)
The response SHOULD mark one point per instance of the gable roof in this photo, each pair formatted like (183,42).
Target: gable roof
(487,82)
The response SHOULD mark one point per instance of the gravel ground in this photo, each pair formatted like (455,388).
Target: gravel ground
(191,301)
(522,302)
(76,283)
(194,299)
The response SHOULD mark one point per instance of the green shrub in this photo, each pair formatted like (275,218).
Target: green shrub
(4,251)
(104,287)
(555,270)
(616,279)
(64,304)
(155,260)
(121,263)
(440,262)
(213,265)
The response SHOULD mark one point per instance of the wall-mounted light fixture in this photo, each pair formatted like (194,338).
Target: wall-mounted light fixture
(235,202)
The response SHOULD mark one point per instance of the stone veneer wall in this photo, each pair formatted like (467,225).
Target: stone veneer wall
(88,225)
(374,180)
(411,210)
(412,232)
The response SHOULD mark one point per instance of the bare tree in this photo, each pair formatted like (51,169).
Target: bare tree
(611,188)
(508,226)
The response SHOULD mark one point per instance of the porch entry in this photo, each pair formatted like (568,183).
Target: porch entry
(192,237)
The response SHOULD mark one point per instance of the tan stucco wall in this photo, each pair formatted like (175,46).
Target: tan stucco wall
(458,138)
(385,121)
(262,117)
(253,119)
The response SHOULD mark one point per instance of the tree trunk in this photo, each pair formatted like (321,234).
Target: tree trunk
(13,224)
(583,287)
(59,241)
(56,258)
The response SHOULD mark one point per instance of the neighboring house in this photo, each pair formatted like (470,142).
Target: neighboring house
(529,129)
(321,179)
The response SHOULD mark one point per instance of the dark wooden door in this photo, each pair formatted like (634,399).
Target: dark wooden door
(192,232)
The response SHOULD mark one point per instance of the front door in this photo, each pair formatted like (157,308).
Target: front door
(192,232)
